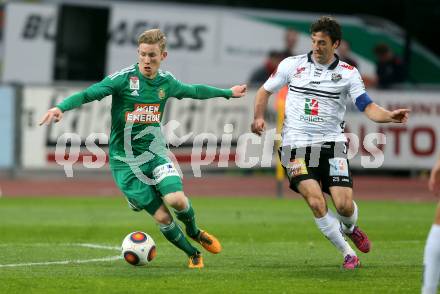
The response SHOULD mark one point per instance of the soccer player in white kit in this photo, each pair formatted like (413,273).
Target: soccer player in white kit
(431,259)
(314,148)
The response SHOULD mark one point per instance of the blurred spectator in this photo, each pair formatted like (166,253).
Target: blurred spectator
(389,68)
(290,42)
(262,73)
(344,53)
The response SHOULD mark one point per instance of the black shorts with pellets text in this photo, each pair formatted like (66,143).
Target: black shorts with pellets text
(327,163)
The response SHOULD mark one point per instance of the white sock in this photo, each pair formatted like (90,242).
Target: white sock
(431,261)
(330,227)
(348,222)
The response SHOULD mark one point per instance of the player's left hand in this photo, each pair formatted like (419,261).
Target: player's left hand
(434,179)
(239,91)
(400,115)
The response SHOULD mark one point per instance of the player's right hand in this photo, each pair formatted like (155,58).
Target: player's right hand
(54,114)
(258,126)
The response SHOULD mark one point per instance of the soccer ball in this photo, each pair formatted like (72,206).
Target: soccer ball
(138,248)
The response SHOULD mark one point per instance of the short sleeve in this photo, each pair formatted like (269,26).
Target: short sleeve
(279,78)
(356,85)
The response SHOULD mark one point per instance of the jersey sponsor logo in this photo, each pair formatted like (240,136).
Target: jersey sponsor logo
(311,106)
(311,111)
(142,118)
(336,77)
(134,83)
(150,108)
(297,167)
(144,114)
(163,171)
(310,118)
(347,66)
(338,167)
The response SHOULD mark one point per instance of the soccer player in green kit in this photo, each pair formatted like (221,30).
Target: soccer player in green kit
(139,94)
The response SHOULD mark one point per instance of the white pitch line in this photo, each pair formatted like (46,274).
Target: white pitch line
(110,258)
(86,245)
(96,246)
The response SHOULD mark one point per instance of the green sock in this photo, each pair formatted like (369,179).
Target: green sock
(188,218)
(174,234)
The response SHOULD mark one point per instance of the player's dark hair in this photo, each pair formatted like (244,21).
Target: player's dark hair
(329,26)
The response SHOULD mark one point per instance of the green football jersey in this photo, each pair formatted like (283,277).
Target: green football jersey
(137,108)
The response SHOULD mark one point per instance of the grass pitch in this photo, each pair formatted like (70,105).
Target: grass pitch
(59,245)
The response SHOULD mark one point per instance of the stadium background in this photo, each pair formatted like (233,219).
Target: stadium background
(220,47)
(47,54)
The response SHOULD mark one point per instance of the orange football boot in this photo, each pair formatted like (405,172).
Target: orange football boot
(196,261)
(209,242)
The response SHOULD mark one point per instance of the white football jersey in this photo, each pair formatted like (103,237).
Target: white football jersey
(316,99)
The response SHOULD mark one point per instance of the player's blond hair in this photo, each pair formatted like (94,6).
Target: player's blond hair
(153,36)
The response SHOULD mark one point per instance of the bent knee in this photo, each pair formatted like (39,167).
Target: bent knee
(177,200)
(345,208)
(317,204)
(162,217)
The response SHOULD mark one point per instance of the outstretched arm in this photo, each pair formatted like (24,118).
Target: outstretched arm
(94,92)
(71,102)
(56,113)
(199,91)
(258,126)
(380,115)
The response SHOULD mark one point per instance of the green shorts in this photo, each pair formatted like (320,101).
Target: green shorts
(140,192)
